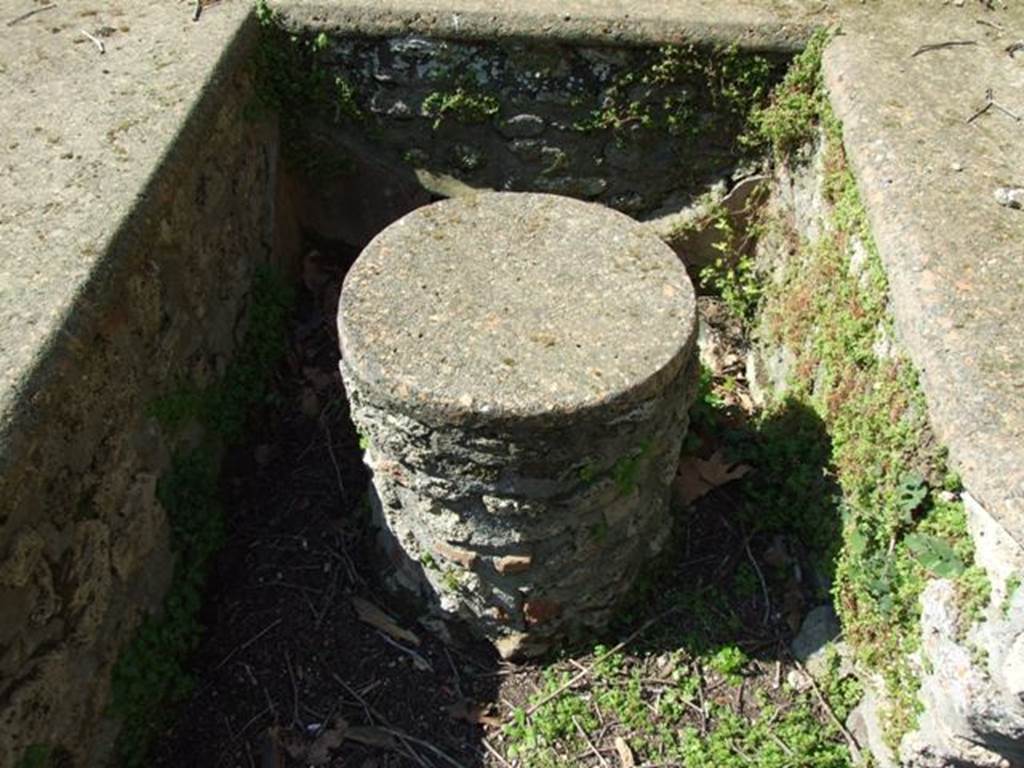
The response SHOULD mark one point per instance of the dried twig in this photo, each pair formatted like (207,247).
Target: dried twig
(334,459)
(425,744)
(764,584)
(988,23)
(940,46)
(1005,111)
(373,715)
(495,753)
(247,643)
(295,691)
(455,672)
(96,41)
(991,103)
(30,14)
(418,660)
(197,11)
(590,743)
(851,740)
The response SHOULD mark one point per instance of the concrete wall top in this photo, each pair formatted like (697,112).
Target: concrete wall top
(85,132)
(779,25)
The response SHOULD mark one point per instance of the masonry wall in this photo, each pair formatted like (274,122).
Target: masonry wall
(84,548)
(642,130)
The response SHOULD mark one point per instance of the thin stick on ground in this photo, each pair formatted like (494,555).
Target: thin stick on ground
(334,459)
(247,643)
(764,584)
(417,658)
(426,745)
(590,743)
(295,691)
(95,41)
(373,715)
(940,46)
(495,753)
(851,740)
(30,14)
(991,103)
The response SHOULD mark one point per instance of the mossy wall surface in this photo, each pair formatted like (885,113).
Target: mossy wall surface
(897,541)
(638,129)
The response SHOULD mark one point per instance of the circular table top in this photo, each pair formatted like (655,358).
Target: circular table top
(515,305)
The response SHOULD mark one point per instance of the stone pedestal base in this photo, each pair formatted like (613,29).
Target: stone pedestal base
(521,367)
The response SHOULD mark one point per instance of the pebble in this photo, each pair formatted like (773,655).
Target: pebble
(1011,197)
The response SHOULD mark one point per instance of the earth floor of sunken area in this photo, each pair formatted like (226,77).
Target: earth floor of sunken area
(297,668)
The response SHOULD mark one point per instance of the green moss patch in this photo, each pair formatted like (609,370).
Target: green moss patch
(677,87)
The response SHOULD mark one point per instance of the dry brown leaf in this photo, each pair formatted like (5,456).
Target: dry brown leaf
(318,751)
(375,617)
(745,401)
(626,759)
(698,477)
(471,712)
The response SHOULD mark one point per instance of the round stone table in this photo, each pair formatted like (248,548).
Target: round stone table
(520,367)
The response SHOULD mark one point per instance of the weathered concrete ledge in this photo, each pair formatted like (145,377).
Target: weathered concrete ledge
(521,366)
(952,253)
(749,25)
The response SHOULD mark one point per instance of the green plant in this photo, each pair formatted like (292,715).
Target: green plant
(463,105)
(1013,583)
(554,721)
(793,113)
(729,662)
(290,81)
(427,561)
(733,275)
(587,474)
(177,407)
(626,471)
(450,580)
(150,675)
(677,86)
(897,530)
(973,594)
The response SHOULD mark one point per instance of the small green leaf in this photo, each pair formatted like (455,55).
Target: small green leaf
(935,555)
(912,493)
(858,543)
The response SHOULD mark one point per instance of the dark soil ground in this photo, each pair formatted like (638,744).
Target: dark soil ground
(289,675)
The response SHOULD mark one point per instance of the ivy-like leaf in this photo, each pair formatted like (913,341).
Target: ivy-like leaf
(935,555)
(913,491)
